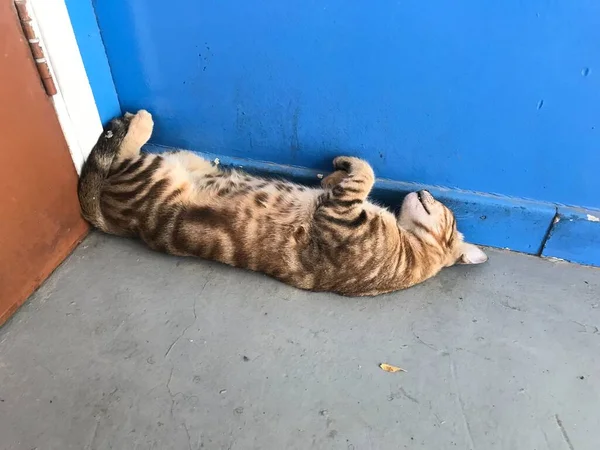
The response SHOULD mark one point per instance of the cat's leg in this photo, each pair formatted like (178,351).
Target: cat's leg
(138,133)
(343,204)
(352,180)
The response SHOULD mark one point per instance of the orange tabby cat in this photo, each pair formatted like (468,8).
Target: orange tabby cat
(322,239)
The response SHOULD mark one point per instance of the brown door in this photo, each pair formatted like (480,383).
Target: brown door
(39,212)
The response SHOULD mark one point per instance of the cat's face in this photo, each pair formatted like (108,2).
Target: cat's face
(435,225)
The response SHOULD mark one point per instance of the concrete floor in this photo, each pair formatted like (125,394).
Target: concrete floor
(123,348)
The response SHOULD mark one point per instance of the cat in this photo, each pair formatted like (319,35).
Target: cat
(328,238)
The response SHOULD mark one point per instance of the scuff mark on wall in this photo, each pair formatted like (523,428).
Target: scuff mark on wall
(294,141)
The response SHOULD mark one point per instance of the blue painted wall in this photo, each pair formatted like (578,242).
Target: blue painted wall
(493,96)
(89,41)
(575,236)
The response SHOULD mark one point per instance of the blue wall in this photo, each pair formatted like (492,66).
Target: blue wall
(492,96)
(89,41)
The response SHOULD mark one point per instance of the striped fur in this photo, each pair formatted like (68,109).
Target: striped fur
(323,239)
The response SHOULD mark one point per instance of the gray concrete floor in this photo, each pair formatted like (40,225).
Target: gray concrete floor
(123,348)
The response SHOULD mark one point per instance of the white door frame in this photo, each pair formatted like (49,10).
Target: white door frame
(74,102)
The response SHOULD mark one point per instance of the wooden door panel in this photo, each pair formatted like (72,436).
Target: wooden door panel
(39,212)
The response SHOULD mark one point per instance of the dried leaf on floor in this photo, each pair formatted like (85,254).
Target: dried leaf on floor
(390,368)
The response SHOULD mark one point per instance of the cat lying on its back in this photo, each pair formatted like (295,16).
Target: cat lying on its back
(322,239)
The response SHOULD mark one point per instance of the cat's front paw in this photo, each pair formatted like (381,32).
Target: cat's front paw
(333,179)
(141,125)
(140,129)
(348,163)
(143,118)
(343,163)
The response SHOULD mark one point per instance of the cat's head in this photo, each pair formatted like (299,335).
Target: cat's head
(434,224)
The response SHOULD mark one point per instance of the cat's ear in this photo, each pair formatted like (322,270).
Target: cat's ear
(471,254)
